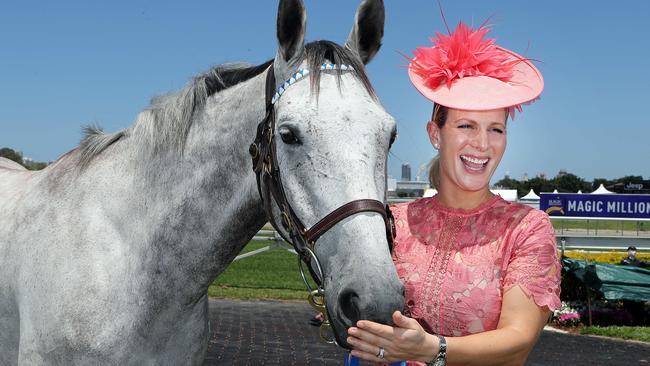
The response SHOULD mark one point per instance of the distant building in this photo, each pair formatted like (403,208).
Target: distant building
(525,177)
(406,172)
(410,188)
(562,173)
(404,189)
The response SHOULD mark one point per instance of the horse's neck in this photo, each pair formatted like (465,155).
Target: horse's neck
(213,206)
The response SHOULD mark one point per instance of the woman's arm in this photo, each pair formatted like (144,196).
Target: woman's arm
(519,326)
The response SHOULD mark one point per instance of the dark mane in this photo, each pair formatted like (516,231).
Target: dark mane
(169,117)
(223,77)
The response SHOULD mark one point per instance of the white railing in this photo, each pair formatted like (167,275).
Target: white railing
(590,238)
(276,243)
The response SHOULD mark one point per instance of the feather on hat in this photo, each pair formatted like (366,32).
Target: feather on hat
(465,70)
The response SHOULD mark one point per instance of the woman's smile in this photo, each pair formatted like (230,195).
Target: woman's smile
(473,164)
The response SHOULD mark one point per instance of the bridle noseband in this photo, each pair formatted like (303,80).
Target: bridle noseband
(269,185)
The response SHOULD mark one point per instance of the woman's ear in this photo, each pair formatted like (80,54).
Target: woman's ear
(434,134)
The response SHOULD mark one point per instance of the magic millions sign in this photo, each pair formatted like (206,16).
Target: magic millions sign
(632,206)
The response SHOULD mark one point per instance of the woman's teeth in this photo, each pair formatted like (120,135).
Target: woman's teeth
(474,163)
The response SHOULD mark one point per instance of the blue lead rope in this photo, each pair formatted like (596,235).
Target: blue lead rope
(354,361)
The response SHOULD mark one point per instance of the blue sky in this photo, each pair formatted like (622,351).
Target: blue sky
(71,63)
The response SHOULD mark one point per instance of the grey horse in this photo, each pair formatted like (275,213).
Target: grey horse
(107,254)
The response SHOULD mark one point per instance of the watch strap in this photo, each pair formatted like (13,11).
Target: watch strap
(441,358)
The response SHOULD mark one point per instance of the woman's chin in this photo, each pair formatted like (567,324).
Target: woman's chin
(474,179)
(474,185)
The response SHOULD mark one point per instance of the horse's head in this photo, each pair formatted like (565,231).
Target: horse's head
(332,138)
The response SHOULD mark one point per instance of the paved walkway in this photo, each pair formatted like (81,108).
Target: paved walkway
(278,333)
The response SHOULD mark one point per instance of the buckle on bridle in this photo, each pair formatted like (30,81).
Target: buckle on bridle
(286,221)
(267,166)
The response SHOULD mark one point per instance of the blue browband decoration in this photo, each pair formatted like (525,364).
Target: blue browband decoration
(301,74)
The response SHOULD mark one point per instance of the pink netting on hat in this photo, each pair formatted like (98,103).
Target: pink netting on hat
(465,52)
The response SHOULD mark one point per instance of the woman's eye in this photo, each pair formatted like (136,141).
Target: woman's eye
(288,137)
(465,126)
(498,130)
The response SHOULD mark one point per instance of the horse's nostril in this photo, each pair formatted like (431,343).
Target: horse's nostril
(349,302)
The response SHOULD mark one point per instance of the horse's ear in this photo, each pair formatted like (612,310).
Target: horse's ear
(291,26)
(368,30)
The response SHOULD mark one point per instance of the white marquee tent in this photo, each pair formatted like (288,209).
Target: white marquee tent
(602,190)
(531,196)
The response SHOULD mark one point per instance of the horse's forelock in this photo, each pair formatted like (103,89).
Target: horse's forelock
(319,52)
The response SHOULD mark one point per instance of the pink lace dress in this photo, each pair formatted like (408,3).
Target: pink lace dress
(456,264)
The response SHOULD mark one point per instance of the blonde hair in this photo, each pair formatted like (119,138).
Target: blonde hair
(439,117)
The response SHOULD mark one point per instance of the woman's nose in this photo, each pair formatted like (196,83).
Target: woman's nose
(480,141)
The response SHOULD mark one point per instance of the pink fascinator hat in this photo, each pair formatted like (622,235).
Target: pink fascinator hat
(464,70)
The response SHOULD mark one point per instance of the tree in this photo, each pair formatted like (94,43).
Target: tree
(538,184)
(630,179)
(598,181)
(570,183)
(35,165)
(10,154)
(508,183)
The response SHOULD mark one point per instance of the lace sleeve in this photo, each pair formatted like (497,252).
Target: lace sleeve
(534,265)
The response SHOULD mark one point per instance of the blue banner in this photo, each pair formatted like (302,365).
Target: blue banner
(631,206)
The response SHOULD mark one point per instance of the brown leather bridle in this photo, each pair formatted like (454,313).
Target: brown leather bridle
(269,185)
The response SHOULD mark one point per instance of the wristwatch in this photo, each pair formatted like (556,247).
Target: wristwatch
(441,358)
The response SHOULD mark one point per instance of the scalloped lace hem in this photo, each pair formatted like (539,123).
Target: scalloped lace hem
(550,301)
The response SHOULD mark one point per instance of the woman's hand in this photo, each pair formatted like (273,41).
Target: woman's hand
(407,340)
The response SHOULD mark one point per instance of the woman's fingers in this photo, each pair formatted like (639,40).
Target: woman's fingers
(363,346)
(384,331)
(372,357)
(368,336)
(370,352)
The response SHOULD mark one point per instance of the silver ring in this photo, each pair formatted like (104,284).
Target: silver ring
(381,354)
(319,273)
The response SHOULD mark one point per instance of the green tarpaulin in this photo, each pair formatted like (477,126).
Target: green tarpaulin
(613,282)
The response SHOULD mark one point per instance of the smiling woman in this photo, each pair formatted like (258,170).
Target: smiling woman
(481,275)
(473,143)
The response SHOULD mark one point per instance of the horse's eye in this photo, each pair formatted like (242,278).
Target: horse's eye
(393,137)
(288,136)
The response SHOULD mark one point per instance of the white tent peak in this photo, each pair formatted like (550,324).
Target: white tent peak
(602,190)
(531,196)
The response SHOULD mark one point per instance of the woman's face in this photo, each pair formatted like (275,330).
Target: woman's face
(471,144)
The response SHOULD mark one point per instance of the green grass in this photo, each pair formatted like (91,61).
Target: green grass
(636,333)
(270,275)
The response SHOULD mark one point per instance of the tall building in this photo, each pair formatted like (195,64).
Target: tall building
(406,172)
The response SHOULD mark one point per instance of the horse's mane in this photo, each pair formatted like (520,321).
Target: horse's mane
(167,121)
